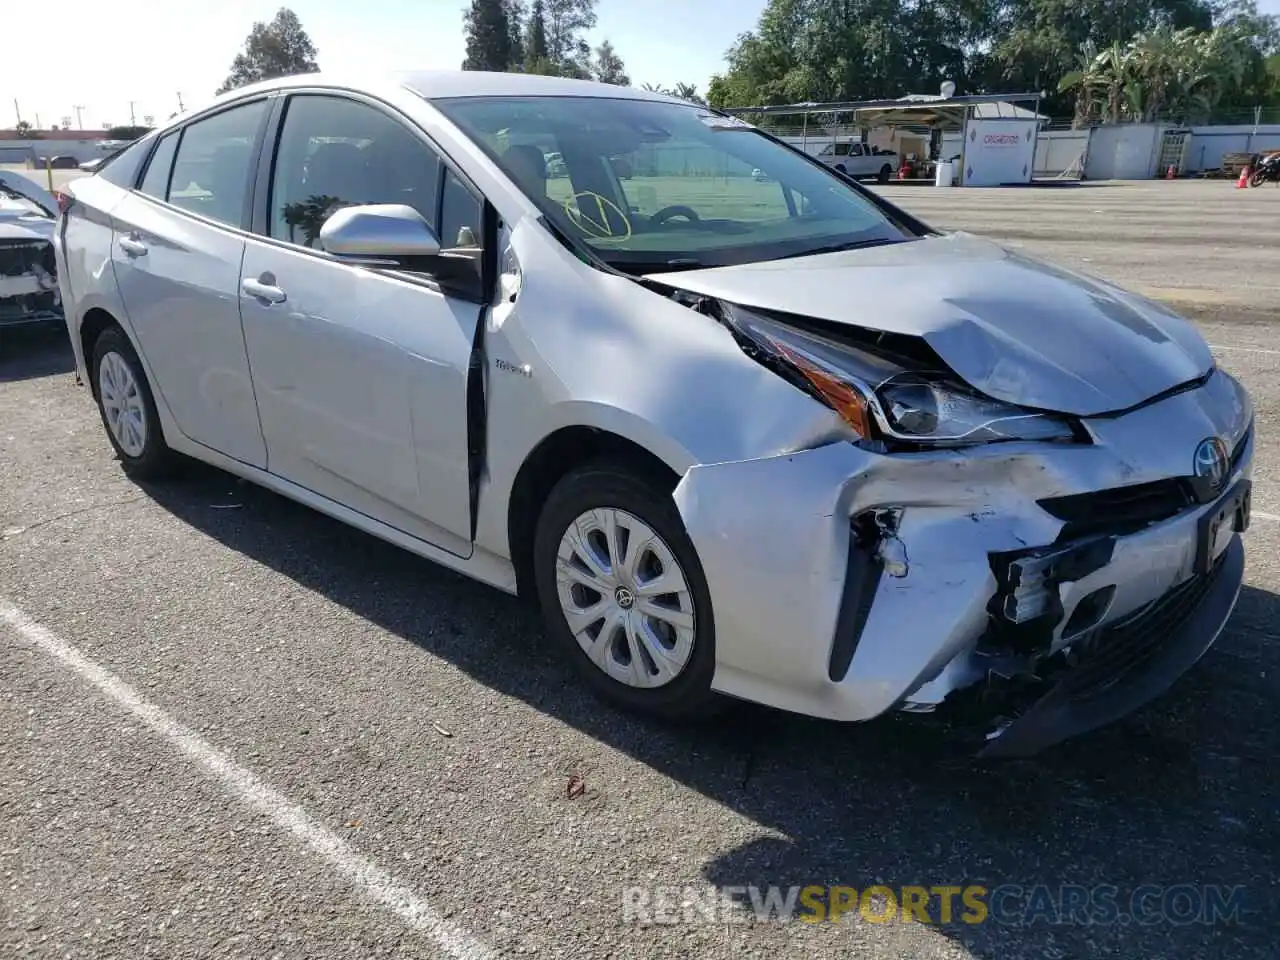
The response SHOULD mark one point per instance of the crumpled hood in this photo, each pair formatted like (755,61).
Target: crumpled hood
(1015,328)
(25,229)
(28,188)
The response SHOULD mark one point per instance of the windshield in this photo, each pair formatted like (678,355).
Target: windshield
(650,184)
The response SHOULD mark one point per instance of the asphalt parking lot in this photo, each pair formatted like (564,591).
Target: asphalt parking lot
(328,748)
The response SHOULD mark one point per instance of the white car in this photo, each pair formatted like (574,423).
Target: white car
(771,439)
(859,160)
(29,291)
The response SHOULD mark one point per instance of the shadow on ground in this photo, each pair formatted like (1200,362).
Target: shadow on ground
(1182,794)
(31,352)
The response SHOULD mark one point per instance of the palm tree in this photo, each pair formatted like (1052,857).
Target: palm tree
(687,91)
(1086,80)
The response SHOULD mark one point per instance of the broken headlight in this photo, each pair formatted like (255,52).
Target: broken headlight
(882,398)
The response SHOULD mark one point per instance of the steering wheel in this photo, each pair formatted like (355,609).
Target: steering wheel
(676,210)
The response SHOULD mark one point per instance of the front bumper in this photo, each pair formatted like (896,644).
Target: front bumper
(846,584)
(28,284)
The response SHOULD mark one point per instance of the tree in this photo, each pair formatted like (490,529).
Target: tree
(25,131)
(608,66)
(515,24)
(564,23)
(128,132)
(686,91)
(280,48)
(822,50)
(488,33)
(537,58)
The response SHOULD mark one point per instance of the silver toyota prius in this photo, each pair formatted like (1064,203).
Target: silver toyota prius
(755,436)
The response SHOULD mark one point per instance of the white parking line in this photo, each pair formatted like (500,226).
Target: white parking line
(452,940)
(1218,346)
(1264,516)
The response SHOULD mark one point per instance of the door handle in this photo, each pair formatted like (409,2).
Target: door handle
(262,289)
(133,246)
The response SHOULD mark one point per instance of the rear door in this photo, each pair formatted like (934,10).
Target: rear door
(177,250)
(361,372)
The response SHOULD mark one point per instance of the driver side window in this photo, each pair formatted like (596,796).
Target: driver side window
(335,152)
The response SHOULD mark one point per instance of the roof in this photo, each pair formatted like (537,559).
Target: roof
(438,84)
(430,85)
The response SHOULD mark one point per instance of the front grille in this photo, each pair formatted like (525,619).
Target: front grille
(1117,649)
(1119,510)
(23,259)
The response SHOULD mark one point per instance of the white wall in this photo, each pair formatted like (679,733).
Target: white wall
(1060,150)
(1210,144)
(1129,151)
(14,151)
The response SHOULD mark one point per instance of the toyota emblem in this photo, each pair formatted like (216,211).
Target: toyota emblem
(1212,462)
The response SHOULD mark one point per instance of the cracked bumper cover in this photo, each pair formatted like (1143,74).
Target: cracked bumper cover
(810,620)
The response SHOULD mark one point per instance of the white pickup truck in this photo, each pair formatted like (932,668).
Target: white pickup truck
(859,160)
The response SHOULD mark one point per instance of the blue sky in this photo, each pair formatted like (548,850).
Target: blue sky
(150,51)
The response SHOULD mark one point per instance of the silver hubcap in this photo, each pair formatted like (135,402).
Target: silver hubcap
(625,598)
(122,404)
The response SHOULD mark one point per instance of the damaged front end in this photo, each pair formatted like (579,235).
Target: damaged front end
(29,291)
(1024,574)
(28,283)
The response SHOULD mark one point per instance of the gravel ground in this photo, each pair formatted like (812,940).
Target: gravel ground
(417,722)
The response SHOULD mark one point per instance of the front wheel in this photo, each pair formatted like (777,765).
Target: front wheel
(623,593)
(1258,178)
(128,408)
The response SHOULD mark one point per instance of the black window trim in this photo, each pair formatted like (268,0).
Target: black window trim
(262,184)
(272,100)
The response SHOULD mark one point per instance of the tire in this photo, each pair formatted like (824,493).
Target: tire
(885,173)
(1258,178)
(149,458)
(586,496)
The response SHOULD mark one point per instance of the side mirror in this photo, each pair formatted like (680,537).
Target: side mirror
(378,231)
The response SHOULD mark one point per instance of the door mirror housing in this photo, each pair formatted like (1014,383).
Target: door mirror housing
(378,232)
(397,236)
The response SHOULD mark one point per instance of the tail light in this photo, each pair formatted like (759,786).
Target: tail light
(64,200)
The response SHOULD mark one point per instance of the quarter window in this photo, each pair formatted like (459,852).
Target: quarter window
(460,214)
(212,170)
(335,152)
(155,182)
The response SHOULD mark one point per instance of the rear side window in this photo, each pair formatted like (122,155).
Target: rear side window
(211,173)
(155,182)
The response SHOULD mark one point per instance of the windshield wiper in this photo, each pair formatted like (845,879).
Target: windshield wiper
(841,247)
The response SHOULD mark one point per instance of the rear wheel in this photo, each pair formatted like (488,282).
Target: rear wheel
(1258,178)
(623,593)
(128,409)
(885,173)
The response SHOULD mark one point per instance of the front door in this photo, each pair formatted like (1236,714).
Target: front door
(179,277)
(361,372)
